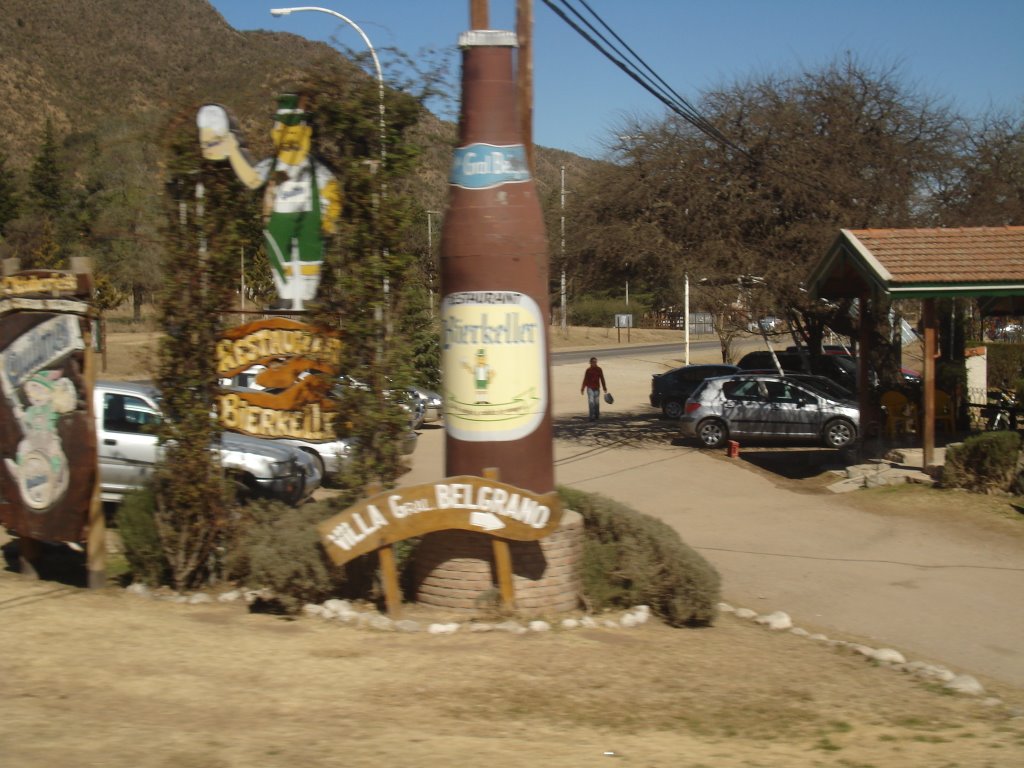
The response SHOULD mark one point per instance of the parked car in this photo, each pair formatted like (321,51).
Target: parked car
(331,456)
(767,406)
(433,405)
(766,324)
(126,418)
(911,377)
(839,368)
(670,389)
(822,384)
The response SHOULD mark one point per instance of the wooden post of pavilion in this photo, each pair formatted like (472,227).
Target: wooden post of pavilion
(928,320)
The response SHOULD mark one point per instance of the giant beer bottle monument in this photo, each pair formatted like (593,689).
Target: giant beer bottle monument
(494,345)
(495,517)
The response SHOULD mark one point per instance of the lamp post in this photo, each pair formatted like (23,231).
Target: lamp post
(373,54)
(382,122)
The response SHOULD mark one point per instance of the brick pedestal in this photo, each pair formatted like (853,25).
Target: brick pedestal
(455,570)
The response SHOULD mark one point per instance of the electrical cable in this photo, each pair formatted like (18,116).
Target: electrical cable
(657,86)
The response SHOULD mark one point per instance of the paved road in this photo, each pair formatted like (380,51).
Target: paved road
(656,351)
(935,590)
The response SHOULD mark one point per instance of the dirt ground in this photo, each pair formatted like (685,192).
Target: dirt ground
(106,678)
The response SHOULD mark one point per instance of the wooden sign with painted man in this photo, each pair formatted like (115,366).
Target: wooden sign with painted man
(302,199)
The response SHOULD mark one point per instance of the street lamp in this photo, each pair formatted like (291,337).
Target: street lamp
(380,101)
(373,53)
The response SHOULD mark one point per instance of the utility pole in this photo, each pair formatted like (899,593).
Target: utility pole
(479,16)
(524,75)
(686,317)
(565,322)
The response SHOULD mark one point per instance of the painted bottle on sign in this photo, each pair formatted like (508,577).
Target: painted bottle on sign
(494,262)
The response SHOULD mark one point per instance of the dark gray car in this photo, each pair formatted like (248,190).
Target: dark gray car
(670,390)
(767,406)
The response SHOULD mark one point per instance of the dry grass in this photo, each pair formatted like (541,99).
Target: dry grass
(148,683)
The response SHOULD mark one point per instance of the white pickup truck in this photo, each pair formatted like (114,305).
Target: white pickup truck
(126,416)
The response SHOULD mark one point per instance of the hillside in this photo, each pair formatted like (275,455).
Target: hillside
(103,68)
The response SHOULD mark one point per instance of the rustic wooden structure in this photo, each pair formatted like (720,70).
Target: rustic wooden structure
(49,479)
(986,263)
(477,504)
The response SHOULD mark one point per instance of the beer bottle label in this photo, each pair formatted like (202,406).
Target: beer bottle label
(482,166)
(493,365)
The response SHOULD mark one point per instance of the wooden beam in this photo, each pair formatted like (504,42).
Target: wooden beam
(524,76)
(389,578)
(96,539)
(930,323)
(502,558)
(869,424)
(479,16)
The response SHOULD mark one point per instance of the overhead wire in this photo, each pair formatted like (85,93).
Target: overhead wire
(652,82)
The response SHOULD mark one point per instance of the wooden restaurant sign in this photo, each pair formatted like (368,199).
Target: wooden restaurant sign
(461,503)
(47,436)
(293,404)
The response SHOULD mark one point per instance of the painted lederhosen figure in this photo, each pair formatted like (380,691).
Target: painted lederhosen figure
(302,199)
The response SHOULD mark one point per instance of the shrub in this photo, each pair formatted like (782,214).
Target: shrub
(983,462)
(278,548)
(140,538)
(1005,362)
(594,312)
(631,558)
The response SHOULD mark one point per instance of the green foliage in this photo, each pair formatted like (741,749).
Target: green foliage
(985,462)
(10,200)
(192,512)
(630,559)
(141,540)
(367,287)
(1005,363)
(47,184)
(597,312)
(278,548)
(422,332)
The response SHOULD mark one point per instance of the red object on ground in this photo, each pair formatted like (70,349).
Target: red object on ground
(733,449)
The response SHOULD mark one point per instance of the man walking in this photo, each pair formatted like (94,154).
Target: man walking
(593,383)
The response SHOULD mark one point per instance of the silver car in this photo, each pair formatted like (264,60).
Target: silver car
(127,415)
(767,406)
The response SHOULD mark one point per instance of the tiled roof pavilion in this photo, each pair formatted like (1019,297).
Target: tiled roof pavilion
(923,263)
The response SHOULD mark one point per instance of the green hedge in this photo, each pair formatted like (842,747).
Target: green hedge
(629,558)
(633,559)
(983,462)
(1005,362)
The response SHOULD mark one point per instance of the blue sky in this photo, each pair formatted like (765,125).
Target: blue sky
(969,53)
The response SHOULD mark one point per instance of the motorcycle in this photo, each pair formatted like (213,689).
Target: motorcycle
(1001,411)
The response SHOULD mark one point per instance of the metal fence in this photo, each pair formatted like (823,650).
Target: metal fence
(700,322)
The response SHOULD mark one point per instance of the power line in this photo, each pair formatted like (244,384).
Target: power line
(656,85)
(653,83)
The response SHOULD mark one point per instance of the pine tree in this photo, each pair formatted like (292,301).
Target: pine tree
(46,177)
(10,201)
(192,512)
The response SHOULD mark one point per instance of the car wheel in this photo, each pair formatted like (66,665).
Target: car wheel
(712,433)
(839,433)
(319,463)
(243,489)
(672,409)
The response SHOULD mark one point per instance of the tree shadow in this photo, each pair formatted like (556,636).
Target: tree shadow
(57,562)
(629,430)
(794,462)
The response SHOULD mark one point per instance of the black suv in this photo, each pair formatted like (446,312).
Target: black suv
(841,369)
(670,390)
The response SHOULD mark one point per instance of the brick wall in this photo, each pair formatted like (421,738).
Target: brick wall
(455,570)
